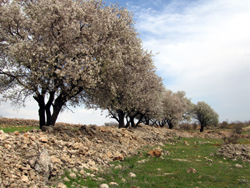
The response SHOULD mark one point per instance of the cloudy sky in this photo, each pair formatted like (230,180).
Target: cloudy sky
(204,50)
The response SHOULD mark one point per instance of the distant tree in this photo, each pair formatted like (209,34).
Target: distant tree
(147,100)
(205,115)
(57,50)
(176,108)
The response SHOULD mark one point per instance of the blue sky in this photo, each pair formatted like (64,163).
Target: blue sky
(204,50)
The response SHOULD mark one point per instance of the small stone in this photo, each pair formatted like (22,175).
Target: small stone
(61,185)
(118,167)
(47,128)
(211,154)
(32,162)
(154,153)
(75,170)
(72,175)
(113,183)
(82,172)
(132,175)
(238,166)
(43,139)
(210,160)
(186,143)
(16,133)
(91,162)
(192,170)
(25,179)
(104,185)
(54,159)
(66,179)
(100,179)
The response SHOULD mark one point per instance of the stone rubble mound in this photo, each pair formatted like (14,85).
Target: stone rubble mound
(235,151)
(39,158)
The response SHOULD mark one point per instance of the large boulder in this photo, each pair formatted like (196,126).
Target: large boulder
(43,164)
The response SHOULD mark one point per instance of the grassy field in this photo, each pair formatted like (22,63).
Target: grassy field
(19,128)
(195,165)
(206,168)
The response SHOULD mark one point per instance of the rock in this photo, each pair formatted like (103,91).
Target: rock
(192,170)
(54,159)
(43,164)
(113,183)
(238,166)
(61,185)
(16,133)
(66,179)
(118,167)
(186,143)
(72,175)
(70,148)
(43,139)
(132,175)
(47,129)
(235,151)
(25,179)
(118,157)
(154,153)
(100,179)
(104,185)
(158,149)
(32,162)
(142,161)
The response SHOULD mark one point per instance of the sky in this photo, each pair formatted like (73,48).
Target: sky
(204,50)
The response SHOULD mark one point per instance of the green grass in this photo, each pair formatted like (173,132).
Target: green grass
(166,171)
(11,129)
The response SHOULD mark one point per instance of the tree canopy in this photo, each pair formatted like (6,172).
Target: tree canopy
(205,115)
(56,50)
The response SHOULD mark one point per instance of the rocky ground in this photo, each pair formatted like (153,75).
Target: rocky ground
(39,158)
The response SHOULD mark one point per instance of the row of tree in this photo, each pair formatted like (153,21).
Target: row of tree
(69,53)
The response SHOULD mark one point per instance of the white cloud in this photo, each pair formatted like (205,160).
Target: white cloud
(205,50)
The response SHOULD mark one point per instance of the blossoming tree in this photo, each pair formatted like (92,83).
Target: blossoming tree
(205,115)
(57,50)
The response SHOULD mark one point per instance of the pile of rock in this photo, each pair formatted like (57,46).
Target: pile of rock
(235,151)
(37,158)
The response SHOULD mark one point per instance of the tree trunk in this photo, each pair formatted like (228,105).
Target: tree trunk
(59,102)
(147,120)
(170,125)
(41,111)
(202,128)
(121,115)
(56,111)
(47,107)
(128,122)
(132,121)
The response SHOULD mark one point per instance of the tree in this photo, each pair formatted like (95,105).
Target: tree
(205,115)
(57,50)
(176,108)
(132,90)
(147,100)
